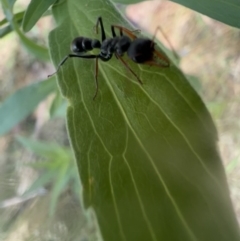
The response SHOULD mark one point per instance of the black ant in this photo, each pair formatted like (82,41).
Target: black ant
(139,50)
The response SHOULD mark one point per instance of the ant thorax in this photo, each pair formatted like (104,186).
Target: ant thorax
(107,49)
(118,45)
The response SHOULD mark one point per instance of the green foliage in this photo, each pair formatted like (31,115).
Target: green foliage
(58,169)
(22,103)
(7,29)
(37,50)
(146,154)
(18,18)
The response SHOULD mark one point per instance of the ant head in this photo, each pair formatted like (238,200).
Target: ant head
(96,43)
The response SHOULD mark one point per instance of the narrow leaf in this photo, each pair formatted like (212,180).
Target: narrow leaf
(58,169)
(35,49)
(34,12)
(18,17)
(47,150)
(224,11)
(60,184)
(5,30)
(8,28)
(19,105)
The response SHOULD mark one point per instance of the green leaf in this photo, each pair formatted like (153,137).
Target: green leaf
(19,105)
(224,11)
(34,12)
(146,154)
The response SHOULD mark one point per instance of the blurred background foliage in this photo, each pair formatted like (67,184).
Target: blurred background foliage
(39,185)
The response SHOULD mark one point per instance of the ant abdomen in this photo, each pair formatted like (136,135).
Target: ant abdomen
(81,44)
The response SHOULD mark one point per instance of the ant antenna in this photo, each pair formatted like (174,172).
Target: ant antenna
(59,66)
(99,21)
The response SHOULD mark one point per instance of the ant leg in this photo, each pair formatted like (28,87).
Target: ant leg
(96,78)
(72,56)
(125,30)
(162,57)
(113,31)
(166,38)
(99,21)
(125,64)
(121,31)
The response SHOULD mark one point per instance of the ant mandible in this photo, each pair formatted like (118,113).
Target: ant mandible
(139,50)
